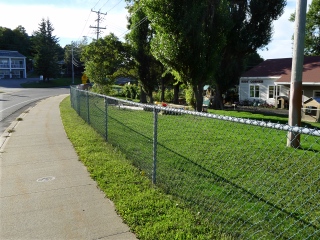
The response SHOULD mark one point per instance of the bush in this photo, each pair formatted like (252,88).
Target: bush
(131,91)
(190,99)
(168,95)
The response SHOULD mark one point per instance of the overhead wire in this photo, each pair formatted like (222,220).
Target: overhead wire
(135,25)
(104,4)
(115,6)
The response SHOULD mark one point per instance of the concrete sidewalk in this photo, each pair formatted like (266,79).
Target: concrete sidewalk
(45,192)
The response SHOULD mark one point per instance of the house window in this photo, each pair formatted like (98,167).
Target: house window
(278,90)
(316,94)
(254,91)
(271,91)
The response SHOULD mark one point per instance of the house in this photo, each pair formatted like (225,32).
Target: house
(269,82)
(12,64)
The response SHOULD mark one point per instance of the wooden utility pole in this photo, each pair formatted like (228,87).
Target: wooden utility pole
(72,62)
(98,22)
(296,73)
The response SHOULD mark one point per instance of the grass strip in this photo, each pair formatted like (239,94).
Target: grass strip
(60,82)
(147,210)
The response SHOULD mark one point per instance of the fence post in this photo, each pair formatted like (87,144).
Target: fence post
(71,99)
(155,142)
(88,108)
(106,116)
(78,101)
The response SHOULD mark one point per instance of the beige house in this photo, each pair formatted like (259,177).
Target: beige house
(12,64)
(269,81)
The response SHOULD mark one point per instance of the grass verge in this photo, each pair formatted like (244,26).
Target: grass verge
(60,82)
(148,211)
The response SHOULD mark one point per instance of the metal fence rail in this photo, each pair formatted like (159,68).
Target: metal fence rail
(236,173)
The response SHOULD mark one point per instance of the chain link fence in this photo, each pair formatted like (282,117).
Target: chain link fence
(235,173)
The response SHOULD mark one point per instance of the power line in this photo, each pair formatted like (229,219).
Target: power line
(135,26)
(115,5)
(104,4)
(84,25)
(97,4)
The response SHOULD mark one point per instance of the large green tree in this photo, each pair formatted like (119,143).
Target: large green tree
(206,42)
(188,39)
(312,37)
(251,29)
(15,40)
(102,59)
(46,51)
(149,69)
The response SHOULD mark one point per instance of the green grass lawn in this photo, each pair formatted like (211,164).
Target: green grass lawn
(59,82)
(260,116)
(238,178)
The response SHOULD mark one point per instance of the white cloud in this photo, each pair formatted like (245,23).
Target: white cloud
(70,24)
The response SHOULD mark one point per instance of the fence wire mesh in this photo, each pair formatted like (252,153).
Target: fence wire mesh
(237,174)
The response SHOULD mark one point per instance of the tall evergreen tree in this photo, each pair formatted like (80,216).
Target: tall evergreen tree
(46,51)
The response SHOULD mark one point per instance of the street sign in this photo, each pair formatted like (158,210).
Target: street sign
(84,78)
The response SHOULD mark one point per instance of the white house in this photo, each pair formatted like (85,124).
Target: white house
(270,81)
(12,64)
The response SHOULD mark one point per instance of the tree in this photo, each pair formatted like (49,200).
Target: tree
(76,48)
(188,39)
(148,68)
(102,59)
(206,42)
(251,29)
(46,51)
(312,37)
(15,40)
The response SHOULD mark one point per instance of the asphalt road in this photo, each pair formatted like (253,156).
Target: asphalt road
(14,100)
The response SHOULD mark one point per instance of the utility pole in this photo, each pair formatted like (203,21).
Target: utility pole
(296,73)
(72,63)
(98,22)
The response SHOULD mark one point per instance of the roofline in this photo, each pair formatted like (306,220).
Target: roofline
(262,77)
(303,83)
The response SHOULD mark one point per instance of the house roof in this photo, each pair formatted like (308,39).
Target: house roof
(317,99)
(7,53)
(281,68)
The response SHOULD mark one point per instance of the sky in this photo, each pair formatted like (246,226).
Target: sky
(72,19)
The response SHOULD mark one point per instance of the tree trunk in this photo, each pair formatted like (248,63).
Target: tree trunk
(218,101)
(150,97)
(162,90)
(143,96)
(198,93)
(176,93)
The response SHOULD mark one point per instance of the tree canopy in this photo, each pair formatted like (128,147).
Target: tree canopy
(149,69)
(102,59)
(206,42)
(46,50)
(312,37)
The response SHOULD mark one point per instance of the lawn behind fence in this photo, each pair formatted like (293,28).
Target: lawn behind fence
(230,176)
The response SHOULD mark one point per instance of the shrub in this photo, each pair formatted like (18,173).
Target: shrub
(190,99)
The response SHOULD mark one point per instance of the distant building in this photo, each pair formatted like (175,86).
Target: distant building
(12,64)
(269,81)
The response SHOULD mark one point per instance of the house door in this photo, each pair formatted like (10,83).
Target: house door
(21,74)
(279,103)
